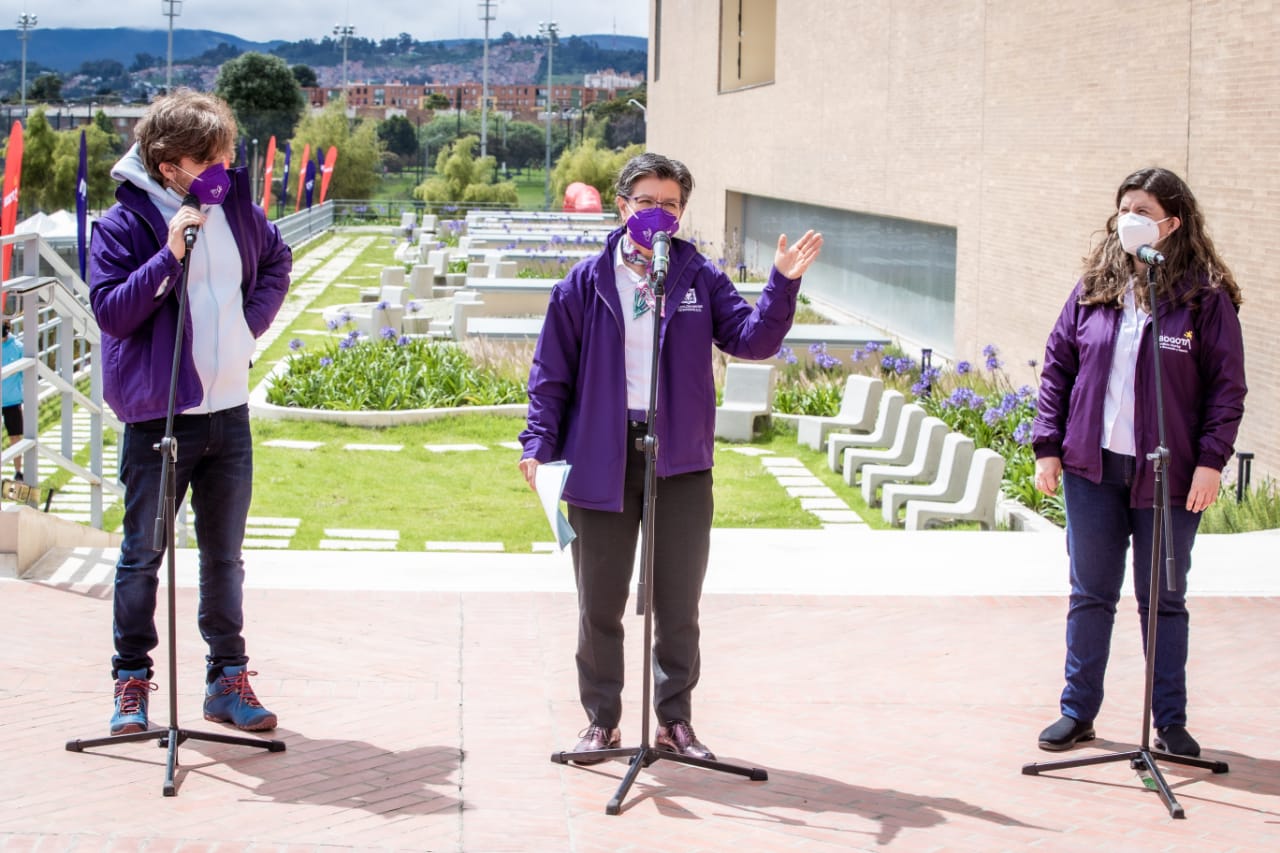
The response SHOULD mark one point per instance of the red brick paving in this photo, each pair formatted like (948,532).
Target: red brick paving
(425,721)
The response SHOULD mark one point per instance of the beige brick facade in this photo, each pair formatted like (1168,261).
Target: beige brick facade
(1011,122)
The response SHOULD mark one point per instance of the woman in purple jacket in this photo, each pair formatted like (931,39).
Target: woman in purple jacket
(588,400)
(1096,423)
(172,180)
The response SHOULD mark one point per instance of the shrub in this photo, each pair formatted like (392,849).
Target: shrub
(390,373)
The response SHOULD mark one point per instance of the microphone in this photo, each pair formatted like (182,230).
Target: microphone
(1149,256)
(661,256)
(189,233)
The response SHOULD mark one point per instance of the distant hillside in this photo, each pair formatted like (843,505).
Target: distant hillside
(66,49)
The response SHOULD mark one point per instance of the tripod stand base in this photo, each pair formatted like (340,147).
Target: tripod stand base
(1144,761)
(172,737)
(643,756)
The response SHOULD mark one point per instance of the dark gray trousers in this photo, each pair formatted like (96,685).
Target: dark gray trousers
(603,556)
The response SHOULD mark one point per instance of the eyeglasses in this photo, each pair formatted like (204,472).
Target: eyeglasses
(643,202)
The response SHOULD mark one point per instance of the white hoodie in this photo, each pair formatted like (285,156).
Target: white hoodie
(221,344)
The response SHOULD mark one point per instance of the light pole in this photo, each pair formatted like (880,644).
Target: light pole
(346,31)
(253,167)
(548,31)
(171,9)
(486,15)
(25,23)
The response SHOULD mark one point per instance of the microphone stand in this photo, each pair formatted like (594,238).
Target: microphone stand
(1144,758)
(645,754)
(164,539)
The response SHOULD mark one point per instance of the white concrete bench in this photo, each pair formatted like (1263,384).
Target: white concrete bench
(978,503)
(881,435)
(947,485)
(922,467)
(857,412)
(897,453)
(504,328)
(748,395)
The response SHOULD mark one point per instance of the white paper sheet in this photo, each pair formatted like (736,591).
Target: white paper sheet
(548,481)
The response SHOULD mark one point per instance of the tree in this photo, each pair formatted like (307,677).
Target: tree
(461,176)
(525,144)
(591,164)
(400,138)
(438,101)
(51,163)
(305,75)
(359,149)
(114,141)
(46,88)
(263,94)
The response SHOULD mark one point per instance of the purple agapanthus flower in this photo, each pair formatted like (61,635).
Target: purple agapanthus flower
(353,334)
(346,343)
(874,346)
(787,355)
(296,344)
(826,362)
(857,356)
(814,349)
(403,341)
(1022,433)
(387,333)
(413,307)
(888,362)
(332,324)
(963,368)
(326,361)
(345,317)
(383,305)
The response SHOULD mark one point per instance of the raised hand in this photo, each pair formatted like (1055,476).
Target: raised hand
(792,261)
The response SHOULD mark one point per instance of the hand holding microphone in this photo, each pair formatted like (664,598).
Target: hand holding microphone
(185,226)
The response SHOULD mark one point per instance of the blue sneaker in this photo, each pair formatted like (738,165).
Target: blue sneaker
(132,689)
(230,699)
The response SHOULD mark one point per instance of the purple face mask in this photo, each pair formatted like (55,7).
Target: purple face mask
(211,185)
(643,224)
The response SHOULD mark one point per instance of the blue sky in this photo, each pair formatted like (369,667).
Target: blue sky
(293,20)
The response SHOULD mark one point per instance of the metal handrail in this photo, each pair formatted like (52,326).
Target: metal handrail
(60,337)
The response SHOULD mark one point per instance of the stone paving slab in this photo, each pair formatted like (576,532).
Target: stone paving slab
(423,720)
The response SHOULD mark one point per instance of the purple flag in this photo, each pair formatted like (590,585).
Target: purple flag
(82,200)
(310,182)
(284,181)
(244,153)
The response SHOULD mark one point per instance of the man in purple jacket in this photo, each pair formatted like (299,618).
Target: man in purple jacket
(173,179)
(588,400)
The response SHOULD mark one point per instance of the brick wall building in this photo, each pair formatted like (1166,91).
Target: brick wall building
(977,145)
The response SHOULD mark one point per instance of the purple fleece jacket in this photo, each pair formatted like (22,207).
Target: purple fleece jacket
(1202,362)
(578,383)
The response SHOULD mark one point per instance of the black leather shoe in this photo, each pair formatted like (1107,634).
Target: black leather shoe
(1066,733)
(1176,740)
(678,736)
(596,738)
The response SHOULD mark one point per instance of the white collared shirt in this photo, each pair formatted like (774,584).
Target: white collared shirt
(1117,409)
(638,343)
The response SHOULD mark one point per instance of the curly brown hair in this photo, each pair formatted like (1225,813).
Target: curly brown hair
(1191,262)
(185,124)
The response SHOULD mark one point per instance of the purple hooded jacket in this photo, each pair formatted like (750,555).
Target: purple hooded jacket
(1202,362)
(578,383)
(128,263)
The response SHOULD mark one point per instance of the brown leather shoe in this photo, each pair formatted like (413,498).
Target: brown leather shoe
(678,736)
(596,738)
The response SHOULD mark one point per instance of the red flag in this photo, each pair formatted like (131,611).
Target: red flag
(302,177)
(329,160)
(12,180)
(267,173)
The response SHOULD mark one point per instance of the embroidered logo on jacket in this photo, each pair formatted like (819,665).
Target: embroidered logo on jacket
(1177,343)
(690,301)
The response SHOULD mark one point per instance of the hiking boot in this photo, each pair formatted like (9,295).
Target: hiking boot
(1066,733)
(678,736)
(1176,740)
(230,699)
(596,738)
(131,695)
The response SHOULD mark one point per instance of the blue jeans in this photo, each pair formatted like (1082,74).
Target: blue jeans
(1100,526)
(215,459)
